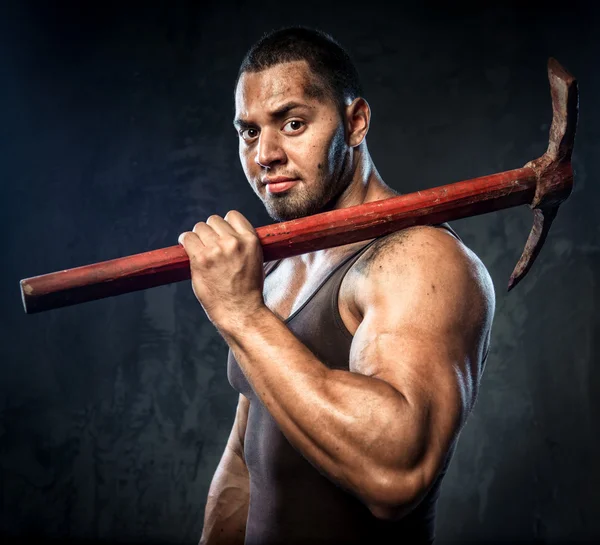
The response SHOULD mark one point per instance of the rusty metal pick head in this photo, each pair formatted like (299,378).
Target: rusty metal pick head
(553,169)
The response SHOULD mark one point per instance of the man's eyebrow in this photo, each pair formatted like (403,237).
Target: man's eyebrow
(276,114)
(242,123)
(287,107)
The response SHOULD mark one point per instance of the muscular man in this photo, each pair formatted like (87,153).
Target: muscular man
(356,366)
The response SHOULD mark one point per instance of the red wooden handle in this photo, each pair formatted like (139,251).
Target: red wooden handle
(280,240)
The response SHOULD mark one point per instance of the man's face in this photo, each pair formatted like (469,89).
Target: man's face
(291,140)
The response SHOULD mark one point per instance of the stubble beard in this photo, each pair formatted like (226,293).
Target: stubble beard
(319,196)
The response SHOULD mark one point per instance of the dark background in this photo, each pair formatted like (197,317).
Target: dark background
(116,136)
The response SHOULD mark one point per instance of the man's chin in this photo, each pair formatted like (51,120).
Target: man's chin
(279,217)
(289,206)
(286,214)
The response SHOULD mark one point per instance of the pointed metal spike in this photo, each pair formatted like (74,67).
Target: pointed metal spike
(542,221)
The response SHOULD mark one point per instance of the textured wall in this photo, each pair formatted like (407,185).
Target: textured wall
(116,136)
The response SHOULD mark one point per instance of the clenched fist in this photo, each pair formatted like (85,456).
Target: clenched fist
(226,263)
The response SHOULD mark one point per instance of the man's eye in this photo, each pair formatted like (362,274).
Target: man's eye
(249,134)
(293,126)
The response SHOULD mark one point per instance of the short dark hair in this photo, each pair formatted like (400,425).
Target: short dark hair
(325,56)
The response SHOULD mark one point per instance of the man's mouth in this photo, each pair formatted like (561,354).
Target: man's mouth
(279,184)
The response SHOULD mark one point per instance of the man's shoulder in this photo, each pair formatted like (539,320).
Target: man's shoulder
(412,242)
(430,252)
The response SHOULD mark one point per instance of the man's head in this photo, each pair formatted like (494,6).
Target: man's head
(299,116)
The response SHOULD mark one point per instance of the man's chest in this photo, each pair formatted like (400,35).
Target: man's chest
(290,285)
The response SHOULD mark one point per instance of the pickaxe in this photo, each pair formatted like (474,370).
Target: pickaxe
(543,184)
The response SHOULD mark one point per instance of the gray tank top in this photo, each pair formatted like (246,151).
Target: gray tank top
(291,502)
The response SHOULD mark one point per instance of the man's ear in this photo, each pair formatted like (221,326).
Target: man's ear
(358,118)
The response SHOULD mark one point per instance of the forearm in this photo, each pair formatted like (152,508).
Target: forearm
(227,503)
(355,428)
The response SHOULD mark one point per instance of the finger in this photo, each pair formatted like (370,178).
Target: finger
(206,233)
(220,226)
(239,222)
(190,242)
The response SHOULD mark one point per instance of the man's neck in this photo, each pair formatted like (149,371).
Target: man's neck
(366,186)
(365,189)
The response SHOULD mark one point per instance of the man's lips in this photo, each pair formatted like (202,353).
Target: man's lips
(278,184)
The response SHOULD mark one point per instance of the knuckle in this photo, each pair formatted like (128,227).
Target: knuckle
(202,259)
(197,259)
(198,226)
(212,254)
(250,238)
(232,244)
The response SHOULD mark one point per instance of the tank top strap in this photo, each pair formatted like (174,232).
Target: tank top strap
(336,283)
(269,266)
(448,228)
(327,280)
(340,273)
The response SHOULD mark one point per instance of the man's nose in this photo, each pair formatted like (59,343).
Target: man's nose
(269,151)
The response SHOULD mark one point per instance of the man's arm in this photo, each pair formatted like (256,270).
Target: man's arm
(227,503)
(426,305)
(381,431)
